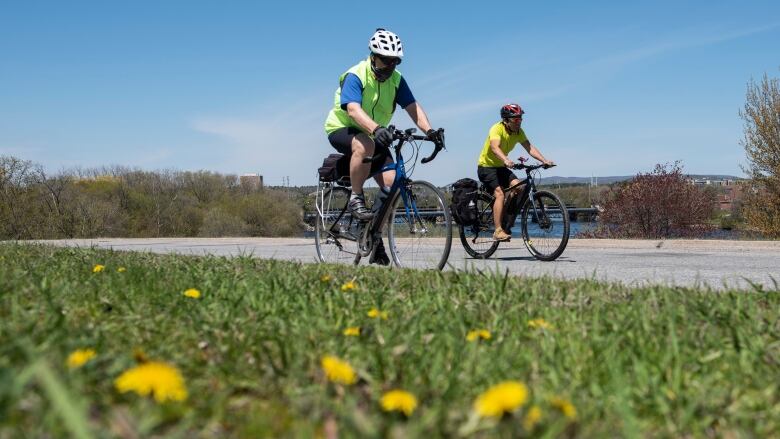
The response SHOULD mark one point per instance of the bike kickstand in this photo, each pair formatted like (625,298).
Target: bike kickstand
(357,258)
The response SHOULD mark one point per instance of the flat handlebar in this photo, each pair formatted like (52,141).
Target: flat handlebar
(530,168)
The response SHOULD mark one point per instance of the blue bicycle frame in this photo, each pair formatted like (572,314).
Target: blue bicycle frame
(399,182)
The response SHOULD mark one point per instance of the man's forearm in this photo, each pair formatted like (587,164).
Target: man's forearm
(418,116)
(536,154)
(498,153)
(360,117)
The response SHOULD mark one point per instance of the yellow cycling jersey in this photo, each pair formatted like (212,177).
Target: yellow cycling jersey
(508,141)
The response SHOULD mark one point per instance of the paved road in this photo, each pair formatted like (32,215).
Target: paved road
(718,264)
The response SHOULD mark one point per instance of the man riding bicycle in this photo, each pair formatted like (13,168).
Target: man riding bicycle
(494,167)
(363,106)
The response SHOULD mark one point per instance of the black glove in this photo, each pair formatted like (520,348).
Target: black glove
(435,136)
(382,137)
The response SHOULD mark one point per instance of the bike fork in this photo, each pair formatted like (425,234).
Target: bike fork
(531,198)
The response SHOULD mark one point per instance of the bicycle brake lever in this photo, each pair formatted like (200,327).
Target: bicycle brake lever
(436,150)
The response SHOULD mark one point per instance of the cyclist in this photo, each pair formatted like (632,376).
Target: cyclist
(494,167)
(364,103)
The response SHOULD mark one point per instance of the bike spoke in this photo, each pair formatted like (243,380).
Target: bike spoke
(545,226)
(334,227)
(477,239)
(421,238)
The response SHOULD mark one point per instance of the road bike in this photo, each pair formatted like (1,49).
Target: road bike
(415,214)
(544,221)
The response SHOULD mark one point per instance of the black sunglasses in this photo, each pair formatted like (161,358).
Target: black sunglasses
(388,60)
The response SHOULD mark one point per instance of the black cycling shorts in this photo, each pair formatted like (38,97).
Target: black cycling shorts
(495,177)
(341,139)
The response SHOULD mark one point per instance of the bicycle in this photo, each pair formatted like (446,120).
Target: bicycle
(540,220)
(415,213)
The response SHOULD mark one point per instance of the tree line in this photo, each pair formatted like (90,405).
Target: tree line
(123,202)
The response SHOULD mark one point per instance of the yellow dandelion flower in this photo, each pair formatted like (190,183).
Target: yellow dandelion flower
(349,286)
(337,370)
(192,293)
(121,270)
(532,418)
(539,324)
(79,357)
(399,401)
(98,268)
(565,406)
(161,380)
(476,334)
(374,313)
(325,278)
(501,398)
(352,331)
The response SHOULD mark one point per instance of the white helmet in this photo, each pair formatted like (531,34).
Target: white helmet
(386,43)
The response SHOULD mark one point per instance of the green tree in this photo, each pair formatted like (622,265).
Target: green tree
(761,115)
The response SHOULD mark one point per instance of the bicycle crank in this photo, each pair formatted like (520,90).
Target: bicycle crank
(366,242)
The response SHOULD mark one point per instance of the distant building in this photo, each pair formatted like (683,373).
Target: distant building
(708,182)
(731,193)
(251,181)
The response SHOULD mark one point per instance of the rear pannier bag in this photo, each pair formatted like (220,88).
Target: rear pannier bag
(464,197)
(333,167)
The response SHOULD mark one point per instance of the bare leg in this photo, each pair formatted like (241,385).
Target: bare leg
(515,192)
(385,179)
(498,207)
(362,147)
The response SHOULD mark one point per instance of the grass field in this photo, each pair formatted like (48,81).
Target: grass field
(243,355)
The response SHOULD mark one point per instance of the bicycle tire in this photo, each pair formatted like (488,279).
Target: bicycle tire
(332,245)
(416,239)
(477,239)
(544,243)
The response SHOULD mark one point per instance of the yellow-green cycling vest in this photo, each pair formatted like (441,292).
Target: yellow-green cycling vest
(378,98)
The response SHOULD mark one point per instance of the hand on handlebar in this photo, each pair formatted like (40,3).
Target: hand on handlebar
(436,136)
(382,137)
(509,163)
(548,164)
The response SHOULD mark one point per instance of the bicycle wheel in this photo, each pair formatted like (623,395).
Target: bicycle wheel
(335,230)
(545,228)
(419,228)
(477,239)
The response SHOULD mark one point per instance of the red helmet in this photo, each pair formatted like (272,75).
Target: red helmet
(511,110)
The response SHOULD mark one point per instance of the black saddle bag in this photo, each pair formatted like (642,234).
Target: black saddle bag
(334,166)
(464,197)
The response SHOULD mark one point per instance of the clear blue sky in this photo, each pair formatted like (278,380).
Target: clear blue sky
(610,88)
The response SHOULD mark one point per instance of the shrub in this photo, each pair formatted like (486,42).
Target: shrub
(659,204)
(271,214)
(762,147)
(218,223)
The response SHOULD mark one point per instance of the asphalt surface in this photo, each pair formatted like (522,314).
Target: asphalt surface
(708,263)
